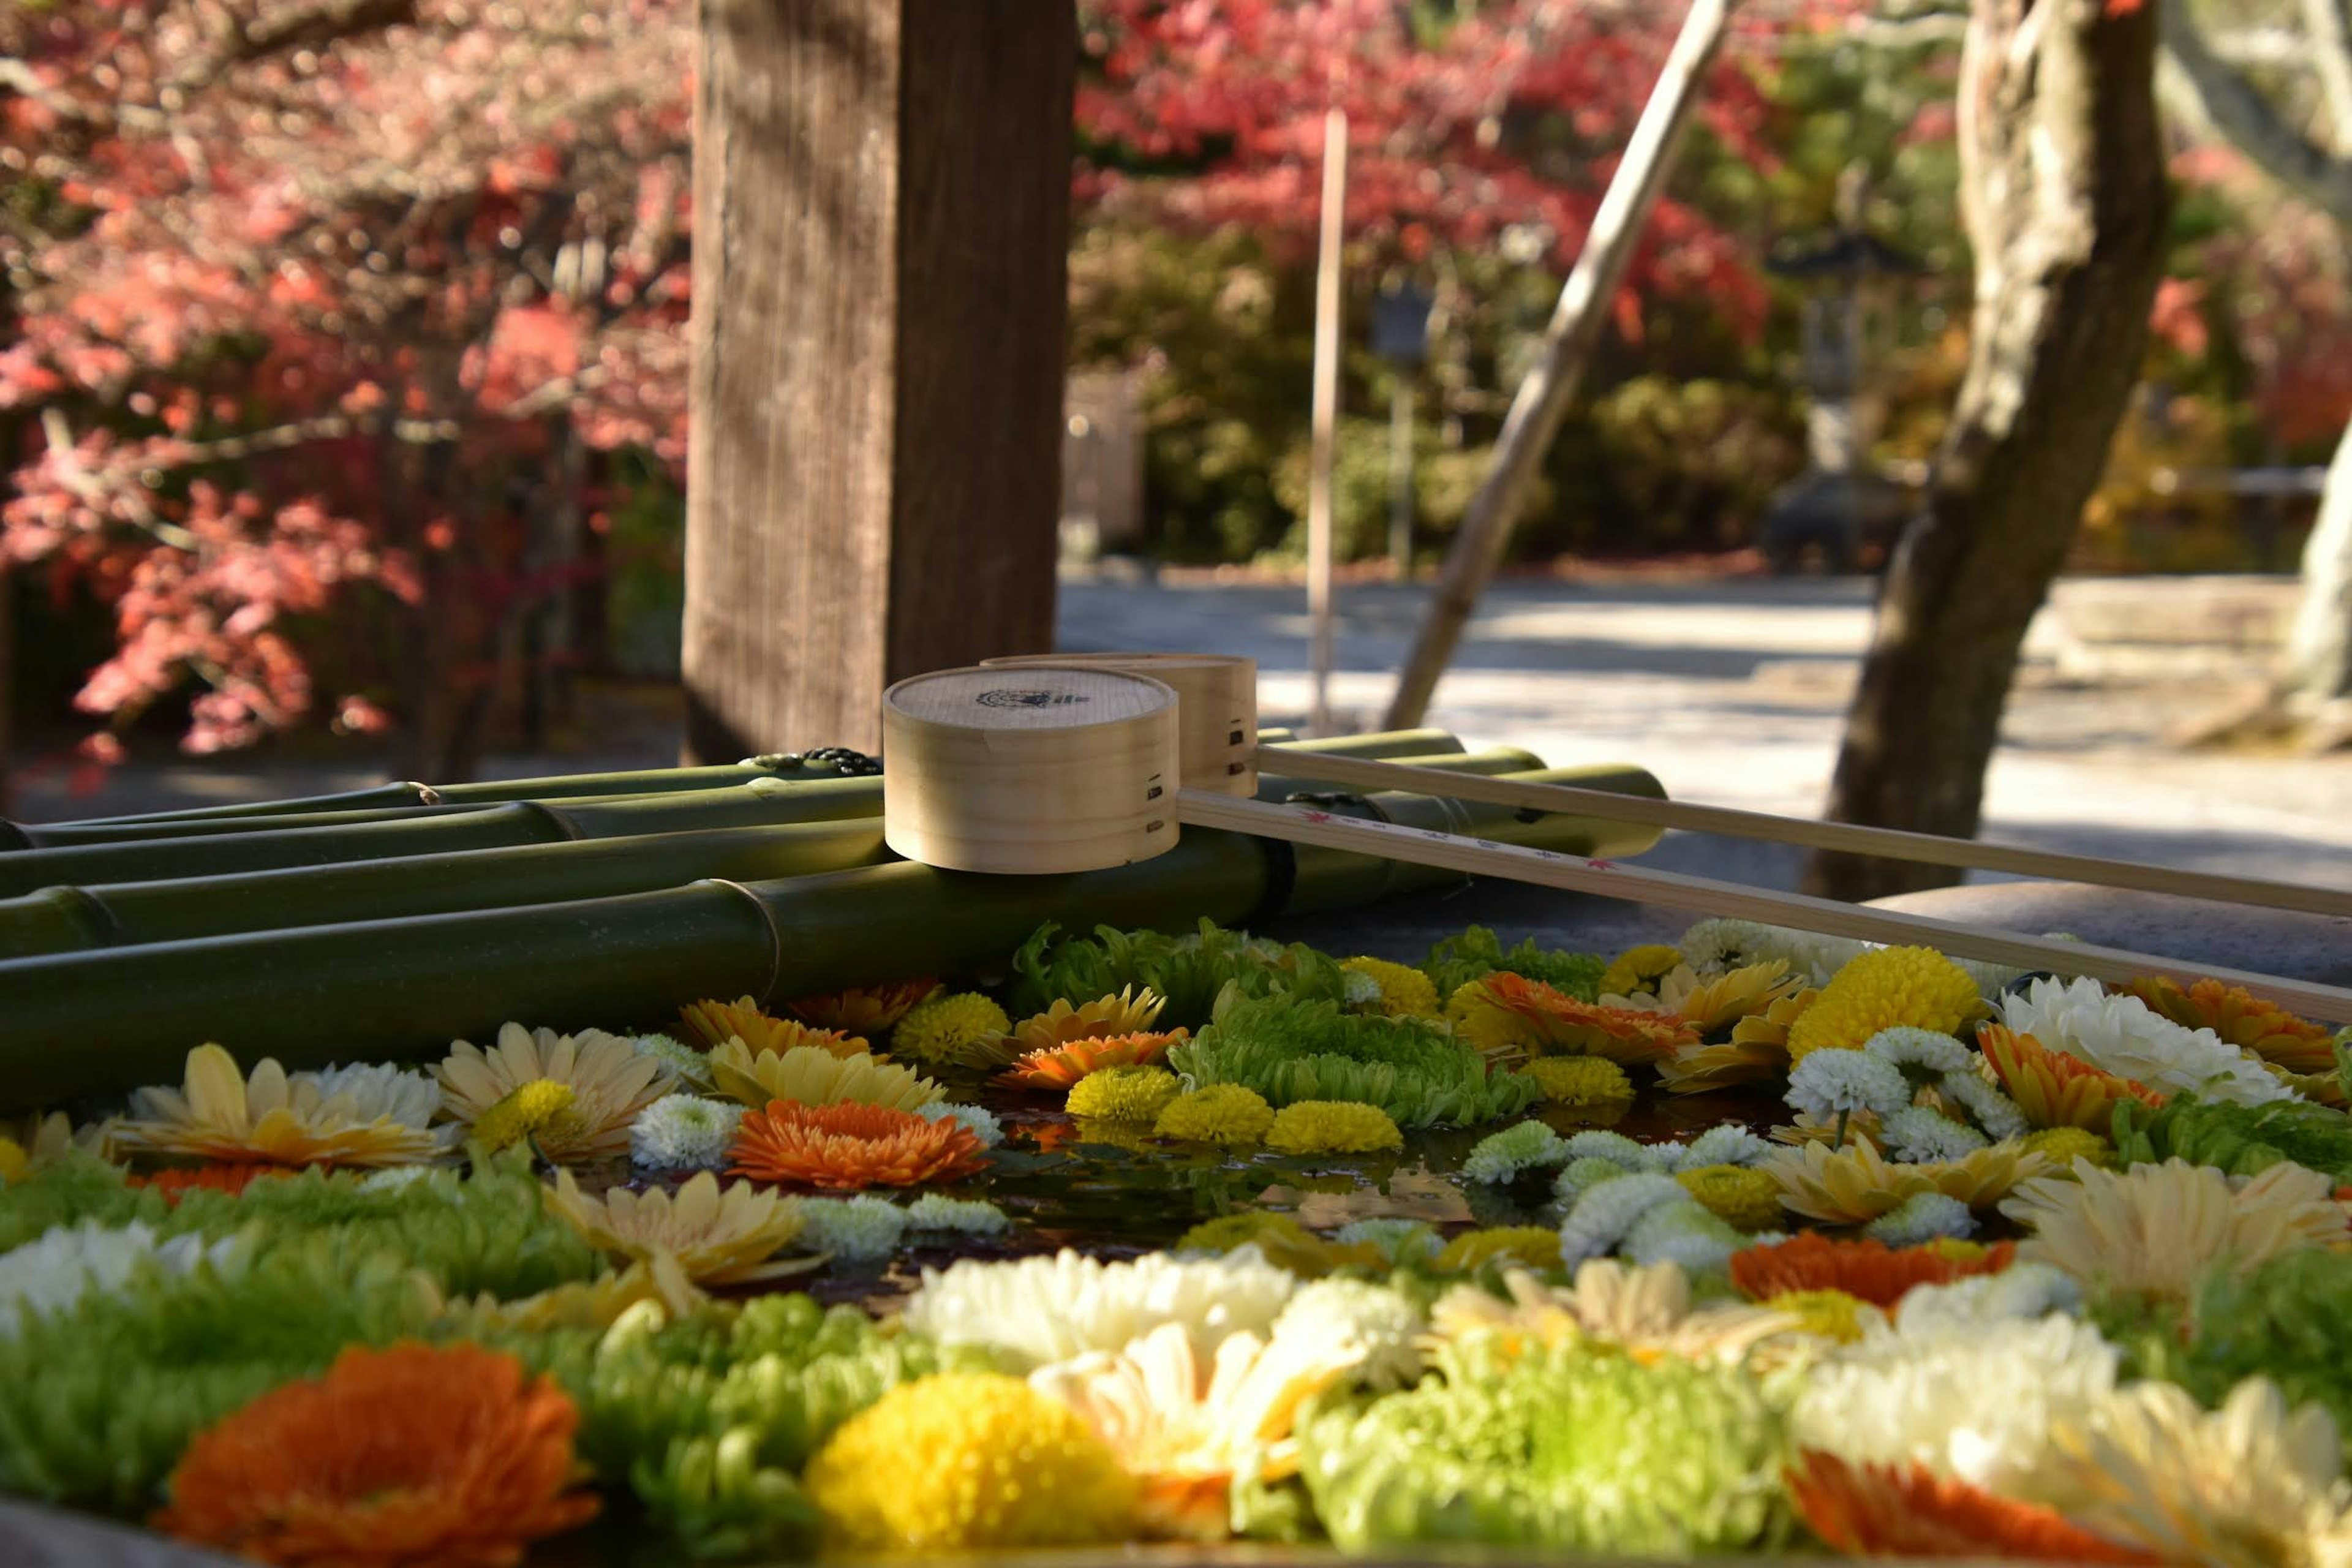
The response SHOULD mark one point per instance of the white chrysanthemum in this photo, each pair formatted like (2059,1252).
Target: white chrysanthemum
(1717,947)
(1994,1111)
(692,1066)
(378,1092)
(1595,1143)
(1399,1240)
(53,1273)
(1580,1177)
(1728,1144)
(1506,1155)
(979,1118)
(1384,1322)
(684,1133)
(1357,989)
(2122,1036)
(1685,1233)
(1034,1310)
(967,1216)
(1924,1137)
(1965,1306)
(863,1229)
(1929,1051)
(1831,1083)
(1604,1214)
(1922,1217)
(1975,1401)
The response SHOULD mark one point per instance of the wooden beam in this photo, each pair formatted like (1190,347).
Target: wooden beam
(882,228)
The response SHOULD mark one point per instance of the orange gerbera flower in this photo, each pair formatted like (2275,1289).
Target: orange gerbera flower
(2054,1089)
(711,1023)
(2244,1019)
(407,1456)
(1566,1027)
(1867,1270)
(1059,1067)
(865,1010)
(219,1176)
(1909,1511)
(846,1146)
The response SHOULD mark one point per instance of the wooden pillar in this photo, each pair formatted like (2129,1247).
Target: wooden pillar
(881,199)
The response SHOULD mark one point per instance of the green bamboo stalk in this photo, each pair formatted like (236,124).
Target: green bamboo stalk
(68,919)
(105,1020)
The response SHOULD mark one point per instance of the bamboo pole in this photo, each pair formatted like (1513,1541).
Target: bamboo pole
(1325,418)
(1890,843)
(1550,868)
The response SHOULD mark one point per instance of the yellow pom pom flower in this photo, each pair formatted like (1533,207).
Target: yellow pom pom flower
(1831,1314)
(1913,986)
(946,1028)
(1638,969)
(1580,1080)
(1332,1126)
(1223,1113)
(2062,1146)
(1406,992)
(1536,1245)
(14,1161)
(994,1463)
(1123,1093)
(541,1107)
(1744,1199)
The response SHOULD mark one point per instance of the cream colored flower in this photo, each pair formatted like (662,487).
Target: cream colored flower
(2122,1036)
(1645,1308)
(1128,1013)
(719,1235)
(609,1079)
(1708,1003)
(2157,1228)
(2250,1485)
(1037,1311)
(811,1075)
(346,1116)
(1853,1184)
(578,1304)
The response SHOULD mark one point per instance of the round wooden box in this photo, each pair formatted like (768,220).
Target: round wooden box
(1032,769)
(1216,708)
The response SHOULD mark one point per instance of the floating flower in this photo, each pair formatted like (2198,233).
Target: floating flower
(1558,1024)
(851,1145)
(2062,1146)
(1123,1093)
(1757,1051)
(712,1023)
(1380,1326)
(2053,1088)
(1528,1243)
(1716,947)
(1406,992)
(1002,1466)
(964,1217)
(1837,1083)
(2158,1229)
(1917,987)
(1396,1239)
(809,1075)
(2122,1036)
(1506,1155)
(1922,1217)
(609,1081)
(40,1140)
(2243,1020)
(862,1229)
(719,1235)
(1647,1310)
(1332,1126)
(691,1066)
(1869,1271)
(978,1120)
(1921,1136)
(869,1010)
(540,1108)
(217,1177)
(14,1163)
(346,1116)
(51,1274)
(1060,1067)
(1743,1198)
(1102,1019)
(407,1456)
(1909,1511)
(1682,1232)
(1579,1081)
(1827,1314)
(951,1029)
(1278,1237)
(1925,1052)
(684,1133)
(1225,1113)
(1852,1186)
(1036,1310)
(1970,1093)
(1638,969)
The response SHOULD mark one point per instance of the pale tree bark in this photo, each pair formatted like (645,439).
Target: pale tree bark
(2065,201)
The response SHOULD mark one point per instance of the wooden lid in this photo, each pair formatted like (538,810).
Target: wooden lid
(1217,720)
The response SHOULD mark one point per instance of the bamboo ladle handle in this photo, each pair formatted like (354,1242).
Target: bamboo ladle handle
(1549,868)
(1891,843)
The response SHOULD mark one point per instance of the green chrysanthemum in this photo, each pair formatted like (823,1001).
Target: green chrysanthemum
(939,1031)
(1456,961)
(1291,1051)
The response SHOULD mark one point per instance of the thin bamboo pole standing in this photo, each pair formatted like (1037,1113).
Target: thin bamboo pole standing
(1327,416)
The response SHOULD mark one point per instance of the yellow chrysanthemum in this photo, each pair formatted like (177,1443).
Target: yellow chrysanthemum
(946,1028)
(540,1108)
(1742,1198)
(719,1235)
(1223,1113)
(1332,1126)
(1645,1308)
(1852,1184)
(1406,992)
(868,1010)
(1829,1314)
(1579,1080)
(1913,986)
(14,1163)
(1640,969)
(812,1076)
(2158,1229)
(712,1023)
(1281,1240)
(610,1079)
(1123,1093)
(2062,1146)
(350,1116)
(1000,1465)
(40,1140)
(1536,1245)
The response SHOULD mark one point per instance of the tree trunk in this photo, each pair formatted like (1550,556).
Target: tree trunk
(881,196)
(2319,648)
(2063,196)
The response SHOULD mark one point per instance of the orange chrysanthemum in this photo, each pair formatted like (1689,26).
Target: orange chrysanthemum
(868,1010)
(1062,1066)
(710,1025)
(1867,1270)
(2053,1088)
(1566,1027)
(219,1176)
(2244,1019)
(847,1146)
(1909,1511)
(407,1456)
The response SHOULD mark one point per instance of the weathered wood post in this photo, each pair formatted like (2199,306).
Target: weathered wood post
(881,200)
